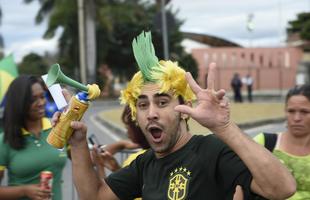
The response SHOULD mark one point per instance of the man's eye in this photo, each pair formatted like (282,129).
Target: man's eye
(162,103)
(142,105)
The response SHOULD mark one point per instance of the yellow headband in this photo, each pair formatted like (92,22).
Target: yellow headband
(167,74)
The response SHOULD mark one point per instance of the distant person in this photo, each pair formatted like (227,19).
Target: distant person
(180,165)
(292,146)
(236,86)
(107,77)
(24,152)
(248,82)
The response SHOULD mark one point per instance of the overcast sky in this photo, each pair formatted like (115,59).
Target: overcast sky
(222,18)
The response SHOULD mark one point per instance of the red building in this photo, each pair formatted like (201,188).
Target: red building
(271,68)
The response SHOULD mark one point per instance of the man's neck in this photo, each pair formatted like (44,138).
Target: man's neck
(184,138)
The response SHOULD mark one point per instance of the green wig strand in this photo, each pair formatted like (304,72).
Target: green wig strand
(144,53)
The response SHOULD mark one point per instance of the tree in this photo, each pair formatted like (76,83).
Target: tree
(301,26)
(117,23)
(33,64)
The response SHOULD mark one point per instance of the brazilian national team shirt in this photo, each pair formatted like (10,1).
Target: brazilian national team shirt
(24,166)
(205,168)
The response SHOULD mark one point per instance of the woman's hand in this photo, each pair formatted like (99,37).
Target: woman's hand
(35,192)
(104,159)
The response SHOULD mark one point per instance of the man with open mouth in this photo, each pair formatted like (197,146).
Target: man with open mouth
(180,165)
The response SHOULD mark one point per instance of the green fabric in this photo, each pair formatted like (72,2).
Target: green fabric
(8,71)
(260,139)
(144,53)
(300,168)
(24,166)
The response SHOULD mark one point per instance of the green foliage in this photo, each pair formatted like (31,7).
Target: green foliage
(117,23)
(189,64)
(301,25)
(33,64)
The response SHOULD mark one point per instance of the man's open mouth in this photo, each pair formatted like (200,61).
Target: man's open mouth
(156,133)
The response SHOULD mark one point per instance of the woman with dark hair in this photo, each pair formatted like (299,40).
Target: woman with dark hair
(292,146)
(24,151)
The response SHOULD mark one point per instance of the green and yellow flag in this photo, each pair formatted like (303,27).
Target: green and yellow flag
(8,72)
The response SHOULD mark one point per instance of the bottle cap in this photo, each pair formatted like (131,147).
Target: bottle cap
(82,96)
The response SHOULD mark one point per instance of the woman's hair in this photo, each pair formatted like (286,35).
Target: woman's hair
(16,109)
(133,130)
(299,90)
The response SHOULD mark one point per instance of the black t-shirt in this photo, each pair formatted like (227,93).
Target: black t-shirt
(205,168)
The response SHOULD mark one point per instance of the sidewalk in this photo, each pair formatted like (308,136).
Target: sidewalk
(246,115)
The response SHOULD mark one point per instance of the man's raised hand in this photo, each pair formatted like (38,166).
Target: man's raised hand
(212,109)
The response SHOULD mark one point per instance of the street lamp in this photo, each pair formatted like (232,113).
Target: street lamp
(250,26)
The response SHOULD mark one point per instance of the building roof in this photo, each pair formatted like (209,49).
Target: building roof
(210,40)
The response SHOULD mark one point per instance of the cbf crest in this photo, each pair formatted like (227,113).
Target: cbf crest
(178,183)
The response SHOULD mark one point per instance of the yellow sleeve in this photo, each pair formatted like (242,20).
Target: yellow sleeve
(132,157)
(260,139)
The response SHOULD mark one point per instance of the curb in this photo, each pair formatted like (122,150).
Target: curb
(248,125)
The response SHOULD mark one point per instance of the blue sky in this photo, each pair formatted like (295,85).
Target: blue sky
(223,18)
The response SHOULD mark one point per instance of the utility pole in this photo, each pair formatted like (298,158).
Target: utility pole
(81,24)
(164,30)
(90,40)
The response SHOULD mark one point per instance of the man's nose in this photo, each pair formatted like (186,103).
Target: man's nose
(152,112)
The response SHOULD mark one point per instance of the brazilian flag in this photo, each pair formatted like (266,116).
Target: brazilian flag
(8,72)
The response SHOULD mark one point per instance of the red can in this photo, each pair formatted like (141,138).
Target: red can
(46,180)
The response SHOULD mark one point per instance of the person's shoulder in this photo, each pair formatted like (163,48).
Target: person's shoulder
(132,157)
(147,153)
(210,141)
(207,138)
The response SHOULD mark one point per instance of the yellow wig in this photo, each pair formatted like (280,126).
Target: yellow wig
(167,74)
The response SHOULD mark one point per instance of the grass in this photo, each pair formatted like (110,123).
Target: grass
(240,114)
